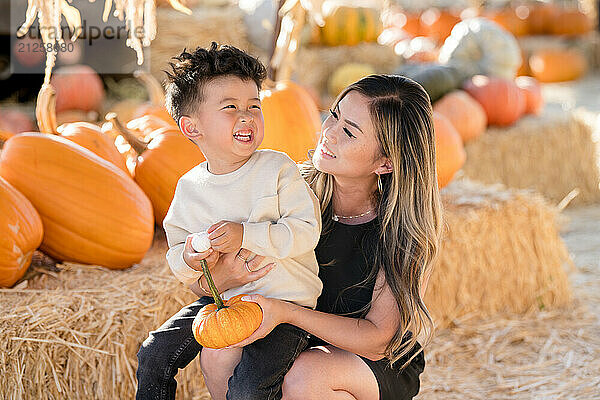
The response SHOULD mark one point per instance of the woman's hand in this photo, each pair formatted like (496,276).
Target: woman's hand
(273,311)
(230,270)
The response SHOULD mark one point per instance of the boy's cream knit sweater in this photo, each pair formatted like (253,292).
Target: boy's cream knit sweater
(280,215)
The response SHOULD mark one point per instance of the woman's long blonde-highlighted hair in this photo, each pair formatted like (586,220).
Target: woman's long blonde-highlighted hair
(408,208)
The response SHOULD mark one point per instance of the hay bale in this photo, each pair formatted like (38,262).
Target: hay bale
(501,252)
(175,30)
(74,334)
(553,154)
(317,63)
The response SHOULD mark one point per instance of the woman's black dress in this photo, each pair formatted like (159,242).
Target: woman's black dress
(343,254)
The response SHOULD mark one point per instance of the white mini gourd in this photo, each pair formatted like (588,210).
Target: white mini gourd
(200,241)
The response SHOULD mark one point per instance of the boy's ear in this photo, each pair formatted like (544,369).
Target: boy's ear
(385,168)
(187,127)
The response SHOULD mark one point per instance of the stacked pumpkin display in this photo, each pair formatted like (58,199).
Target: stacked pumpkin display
(473,87)
(417,36)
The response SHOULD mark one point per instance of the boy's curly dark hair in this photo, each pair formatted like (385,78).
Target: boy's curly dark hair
(191,71)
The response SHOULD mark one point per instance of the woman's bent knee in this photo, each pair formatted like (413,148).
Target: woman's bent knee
(299,376)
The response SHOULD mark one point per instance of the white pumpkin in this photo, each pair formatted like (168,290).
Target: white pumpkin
(480,46)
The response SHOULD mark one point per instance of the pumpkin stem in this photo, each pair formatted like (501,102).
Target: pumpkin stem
(211,285)
(154,88)
(138,145)
(45,109)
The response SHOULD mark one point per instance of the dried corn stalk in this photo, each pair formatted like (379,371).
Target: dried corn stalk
(293,15)
(139,14)
(49,14)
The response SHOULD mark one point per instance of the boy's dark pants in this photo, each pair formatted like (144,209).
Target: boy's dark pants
(258,376)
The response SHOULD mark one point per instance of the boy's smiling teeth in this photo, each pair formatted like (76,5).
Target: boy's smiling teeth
(243,136)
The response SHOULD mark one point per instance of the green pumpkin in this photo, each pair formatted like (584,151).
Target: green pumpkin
(437,80)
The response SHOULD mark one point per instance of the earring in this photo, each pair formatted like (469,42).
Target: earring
(379,184)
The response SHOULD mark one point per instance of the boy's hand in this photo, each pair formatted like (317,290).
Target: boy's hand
(226,236)
(192,258)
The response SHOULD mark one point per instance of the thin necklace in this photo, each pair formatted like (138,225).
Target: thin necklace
(337,217)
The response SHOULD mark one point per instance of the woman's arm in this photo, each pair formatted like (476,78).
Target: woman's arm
(230,271)
(367,337)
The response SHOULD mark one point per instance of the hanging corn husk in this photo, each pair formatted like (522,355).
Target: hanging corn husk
(140,15)
(49,14)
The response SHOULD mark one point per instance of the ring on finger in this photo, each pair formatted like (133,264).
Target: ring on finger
(247,267)
(241,258)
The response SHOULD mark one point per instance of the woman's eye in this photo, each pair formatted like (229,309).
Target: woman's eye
(257,107)
(333,113)
(348,132)
(229,106)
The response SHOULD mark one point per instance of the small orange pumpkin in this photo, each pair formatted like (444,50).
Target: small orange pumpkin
(534,102)
(21,232)
(558,65)
(78,87)
(464,112)
(502,100)
(450,153)
(222,324)
(572,23)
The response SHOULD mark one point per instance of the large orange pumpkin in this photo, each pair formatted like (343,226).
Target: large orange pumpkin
(292,120)
(464,112)
(450,152)
(160,163)
(92,211)
(222,324)
(534,102)
(77,87)
(558,65)
(15,121)
(21,232)
(502,100)
(92,138)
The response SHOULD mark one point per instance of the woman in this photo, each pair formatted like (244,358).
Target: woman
(374,173)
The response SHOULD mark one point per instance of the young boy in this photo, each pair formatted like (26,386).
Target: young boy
(246,198)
